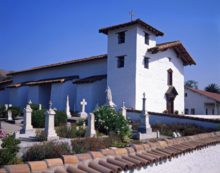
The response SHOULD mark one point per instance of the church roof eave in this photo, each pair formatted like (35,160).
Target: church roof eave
(178,47)
(134,22)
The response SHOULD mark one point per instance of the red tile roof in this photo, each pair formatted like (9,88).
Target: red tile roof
(90,79)
(135,22)
(210,95)
(76,61)
(129,158)
(178,47)
(52,80)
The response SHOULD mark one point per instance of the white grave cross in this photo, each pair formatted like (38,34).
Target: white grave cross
(83,103)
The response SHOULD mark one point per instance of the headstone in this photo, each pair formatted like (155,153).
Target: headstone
(6,107)
(50,124)
(123,110)
(90,130)
(27,126)
(109,98)
(27,129)
(145,126)
(9,115)
(40,107)
(68,107)
(145,130)
(83,113)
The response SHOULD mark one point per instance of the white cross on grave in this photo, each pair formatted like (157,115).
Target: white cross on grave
(83,103)
(83,113)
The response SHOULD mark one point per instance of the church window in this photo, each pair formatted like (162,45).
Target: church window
(121,37)
(121,61)
(146,38)
(186,111)
(170,77)
(146,62)
(185,94)
(193,111)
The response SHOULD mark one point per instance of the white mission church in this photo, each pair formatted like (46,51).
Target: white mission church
(134,64)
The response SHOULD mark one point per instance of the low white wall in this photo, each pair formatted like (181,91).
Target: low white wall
(175,119)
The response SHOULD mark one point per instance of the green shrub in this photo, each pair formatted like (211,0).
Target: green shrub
(34,107)
(70,132)
(41,135)
(46,151)
(184,129)
(3,112)
(107,121)
(38,118)
(60,118)
(82,145)
(16,111)
(9,150)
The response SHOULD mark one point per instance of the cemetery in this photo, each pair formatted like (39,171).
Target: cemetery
(50,133)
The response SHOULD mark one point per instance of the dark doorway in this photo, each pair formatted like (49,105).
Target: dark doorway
(170,97)
(170,105)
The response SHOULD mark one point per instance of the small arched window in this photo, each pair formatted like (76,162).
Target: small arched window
(170,77)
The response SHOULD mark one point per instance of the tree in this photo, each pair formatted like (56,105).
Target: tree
(191,84)
(214,88)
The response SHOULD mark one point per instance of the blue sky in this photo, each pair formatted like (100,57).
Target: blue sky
(40,32)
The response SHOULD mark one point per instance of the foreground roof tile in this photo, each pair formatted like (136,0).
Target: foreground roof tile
(70,159)
(24,168)
(37,165)
(54,162)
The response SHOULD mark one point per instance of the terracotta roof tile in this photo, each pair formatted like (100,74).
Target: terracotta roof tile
(3,170)
(124,158)
(54,162)
(178,47)
(37,165)
(90,79)
(121,151)
(84,156)
(52,80)
(210,95)
(71,169)
(96,154)
(20,168)
(108,152)
(135,22)
(70,159)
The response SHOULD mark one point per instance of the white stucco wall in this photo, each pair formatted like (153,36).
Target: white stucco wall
(153,81)
(33,94)
(122,80)
(18,96)
(86,69)
(4,96)
(93,93)
(59,94)
(197,101)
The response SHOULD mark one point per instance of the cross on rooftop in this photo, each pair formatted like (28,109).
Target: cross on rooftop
(83,103)
(131,13)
